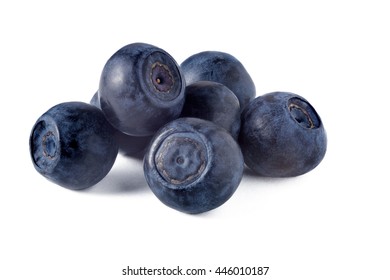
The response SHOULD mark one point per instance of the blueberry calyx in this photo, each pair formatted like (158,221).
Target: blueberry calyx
(303,113)
(181,159)
(49,145)
(44,144)
(161,77)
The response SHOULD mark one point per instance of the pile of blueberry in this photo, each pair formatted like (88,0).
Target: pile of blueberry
(194,125)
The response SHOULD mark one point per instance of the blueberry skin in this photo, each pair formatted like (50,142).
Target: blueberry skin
(72,145)
(222,68)
(193,165)
(282,135)
(141,88)
(214,102)
(130,146)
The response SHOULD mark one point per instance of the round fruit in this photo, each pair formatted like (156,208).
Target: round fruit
(128,145)
(214,102)
(193,165)
(222,68)
(72,145)
(282,135)
(141,88)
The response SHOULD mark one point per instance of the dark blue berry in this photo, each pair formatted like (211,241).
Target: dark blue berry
(131,146)
(222,68)
(141,88)
(214,102)
(193,165)
(282,135)
(72,145)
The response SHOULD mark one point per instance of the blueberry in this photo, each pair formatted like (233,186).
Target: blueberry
(72,145)
(282,135)
(141,88)
(222,68)
(193,165)
(214,102)
(131,146)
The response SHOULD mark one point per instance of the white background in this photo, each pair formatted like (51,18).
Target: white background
(332,223)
